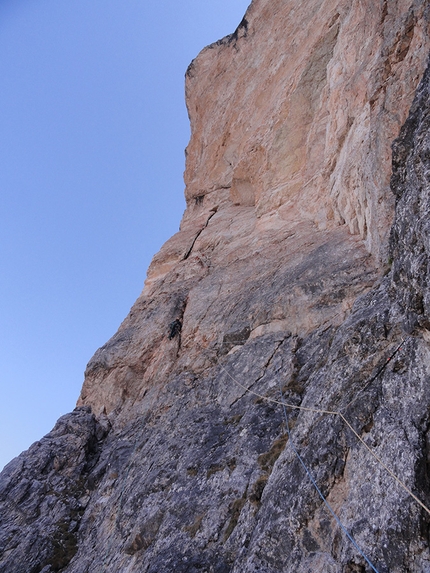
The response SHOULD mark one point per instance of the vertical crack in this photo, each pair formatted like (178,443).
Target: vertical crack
(188,252)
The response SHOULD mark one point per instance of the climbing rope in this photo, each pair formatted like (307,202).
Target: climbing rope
(335,413)
(318,411)
(314,483)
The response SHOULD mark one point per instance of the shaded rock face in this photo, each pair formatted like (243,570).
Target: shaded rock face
(184,462)
(44,493)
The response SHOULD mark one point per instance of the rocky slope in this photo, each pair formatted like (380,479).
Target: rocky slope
(297,272)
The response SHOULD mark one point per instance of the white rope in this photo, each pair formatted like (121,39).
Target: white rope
(335,413)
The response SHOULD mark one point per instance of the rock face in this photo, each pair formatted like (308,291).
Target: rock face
(287,174)
(297,275)
(297,111)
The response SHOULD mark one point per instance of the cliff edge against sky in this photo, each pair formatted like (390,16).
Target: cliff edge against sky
(300,273)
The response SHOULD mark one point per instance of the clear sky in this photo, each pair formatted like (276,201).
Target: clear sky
(92,137)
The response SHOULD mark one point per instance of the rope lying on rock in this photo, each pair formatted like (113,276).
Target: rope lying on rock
(314,483)
(340,415)
(318,411)
(336,413)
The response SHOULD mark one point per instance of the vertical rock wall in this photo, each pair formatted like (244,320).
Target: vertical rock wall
(297,110)
(287,173)
(185,463)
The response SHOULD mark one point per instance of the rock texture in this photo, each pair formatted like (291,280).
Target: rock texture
(287,174)
(296,270)
(298,109)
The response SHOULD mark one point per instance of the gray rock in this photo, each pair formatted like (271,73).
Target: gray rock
(44,493)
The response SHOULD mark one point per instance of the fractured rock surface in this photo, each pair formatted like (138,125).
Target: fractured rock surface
(298,109)
(178,457)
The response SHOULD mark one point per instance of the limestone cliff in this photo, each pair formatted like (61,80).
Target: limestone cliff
(298,274)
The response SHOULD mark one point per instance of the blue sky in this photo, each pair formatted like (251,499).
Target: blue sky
(92,137)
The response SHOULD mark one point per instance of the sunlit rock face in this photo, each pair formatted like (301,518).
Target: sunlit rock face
(295,113)
(287,184)
(301,269)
